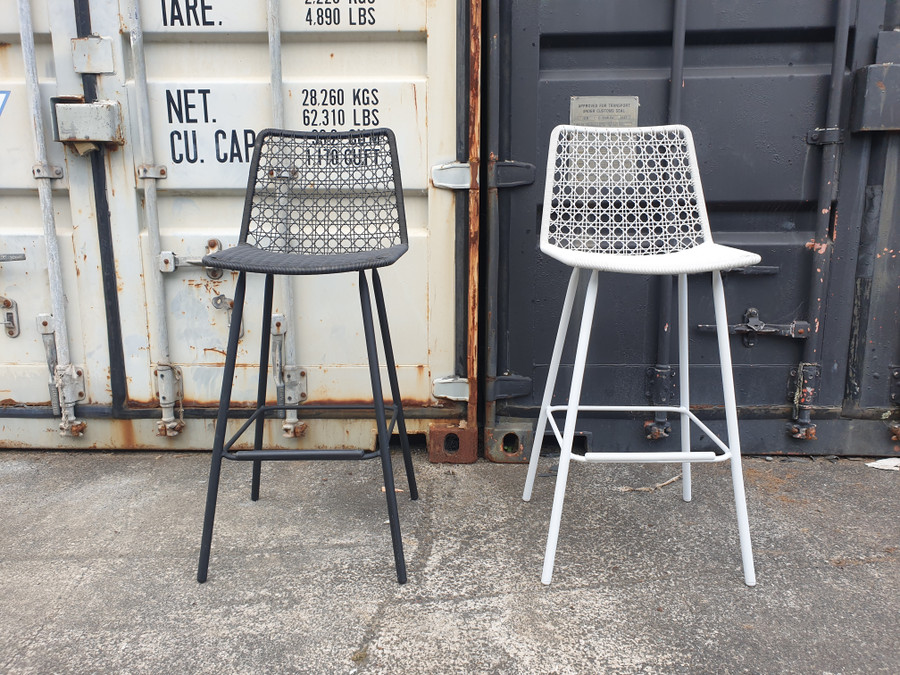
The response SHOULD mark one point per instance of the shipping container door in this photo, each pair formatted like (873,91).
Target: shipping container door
(190,84)
(54,350)
(755,91)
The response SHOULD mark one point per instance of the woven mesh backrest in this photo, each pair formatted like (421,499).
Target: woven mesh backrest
(324,193)
(628,191)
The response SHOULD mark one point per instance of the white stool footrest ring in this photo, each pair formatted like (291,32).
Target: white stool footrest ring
(643,457)
(641,408)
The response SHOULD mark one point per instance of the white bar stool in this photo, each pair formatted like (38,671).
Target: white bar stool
(629,200)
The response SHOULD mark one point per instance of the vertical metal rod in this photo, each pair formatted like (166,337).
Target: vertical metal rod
(474,142)
(684,383)
(461,239)
(51,243)
(159,342)
(823,243)
(731,420)
(664,284)
(827,187)
(565,454)
(273,22)
(551,382)
(159,349)
(384,439)
(262,382)
(215,467)
(395,385)
(676,82)
(285,283)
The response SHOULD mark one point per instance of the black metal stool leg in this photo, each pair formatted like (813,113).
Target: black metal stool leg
(395,387)
(221,426)
(384,440)
(262,384)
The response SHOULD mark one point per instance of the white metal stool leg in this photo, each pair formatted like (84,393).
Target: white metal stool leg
(559,494)
(684,382)
(734,441)
(551,381)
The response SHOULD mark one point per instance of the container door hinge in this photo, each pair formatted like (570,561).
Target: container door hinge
(45,328)
(66,383)
(295,392)
(9,316)
(894,425)
(147,171)
(295,389)
(895,384)
(454,176)
(9,310)
(507,386)
(73,384)
(170,391)
(290,381)
(501,174)
(803,391)
(69,381)
(452,388)
(509,174)
(753,327)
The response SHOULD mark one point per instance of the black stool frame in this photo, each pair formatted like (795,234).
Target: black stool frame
(275,254)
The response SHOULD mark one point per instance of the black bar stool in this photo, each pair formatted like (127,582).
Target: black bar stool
(317,203)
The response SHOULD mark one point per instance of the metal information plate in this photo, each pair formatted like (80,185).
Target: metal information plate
(604,111)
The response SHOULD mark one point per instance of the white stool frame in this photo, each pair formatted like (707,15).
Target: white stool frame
(665,263)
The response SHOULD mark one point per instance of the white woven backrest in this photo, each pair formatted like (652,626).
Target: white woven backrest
(622,191)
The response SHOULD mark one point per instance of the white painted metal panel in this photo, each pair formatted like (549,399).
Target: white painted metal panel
(344,64)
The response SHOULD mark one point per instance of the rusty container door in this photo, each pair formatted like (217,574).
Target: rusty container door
(771,91)
(150,111)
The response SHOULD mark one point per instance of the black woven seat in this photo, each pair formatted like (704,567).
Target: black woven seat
(317,203)
(248,258)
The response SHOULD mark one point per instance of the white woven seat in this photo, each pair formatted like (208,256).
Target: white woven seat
(629,200)
(705,257)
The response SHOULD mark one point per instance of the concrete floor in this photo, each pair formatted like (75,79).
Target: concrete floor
(98,564)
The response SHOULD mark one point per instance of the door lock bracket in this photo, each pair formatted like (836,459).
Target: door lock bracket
(226,304)
(753,327)
(9,316)
(169,261)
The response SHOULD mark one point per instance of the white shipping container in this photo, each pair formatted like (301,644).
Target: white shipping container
(182,86)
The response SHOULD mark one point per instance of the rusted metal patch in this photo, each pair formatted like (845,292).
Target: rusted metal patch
(452,444)
(474,148)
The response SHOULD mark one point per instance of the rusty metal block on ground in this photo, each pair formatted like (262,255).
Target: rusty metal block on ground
(509,442)
(452,444)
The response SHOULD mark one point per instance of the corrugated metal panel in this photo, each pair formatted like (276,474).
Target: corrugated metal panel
(209,86)
(755,88)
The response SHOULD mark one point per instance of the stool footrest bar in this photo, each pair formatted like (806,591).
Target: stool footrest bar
(265,410)
(289,455)
(641,408)
(642,457)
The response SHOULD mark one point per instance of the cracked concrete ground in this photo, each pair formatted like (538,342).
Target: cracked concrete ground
(98,564)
